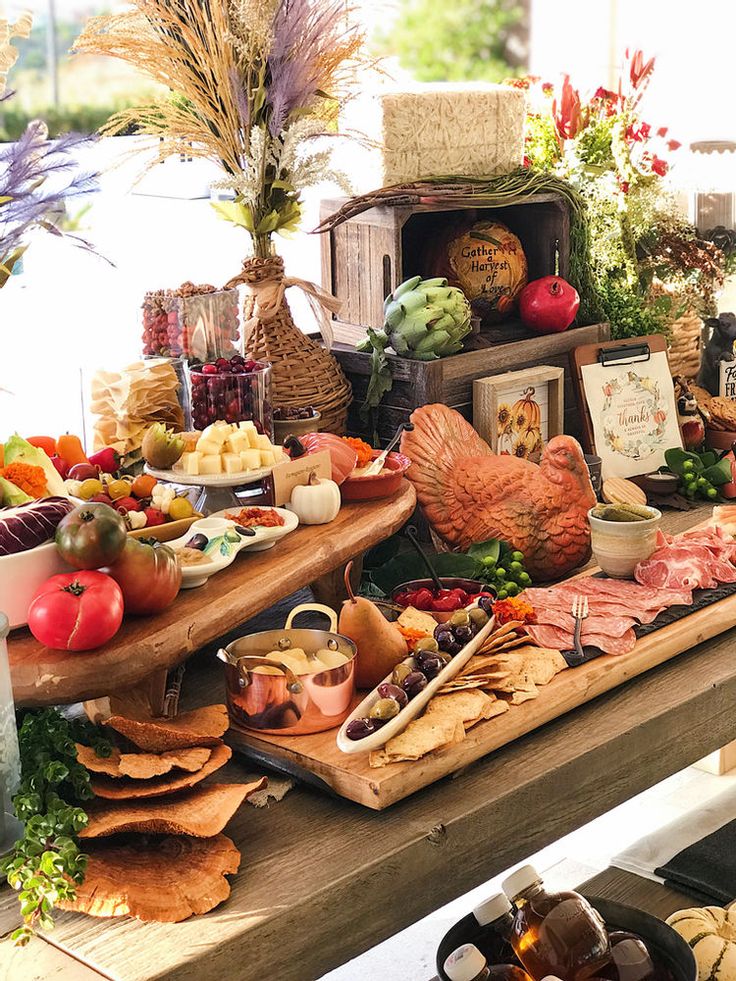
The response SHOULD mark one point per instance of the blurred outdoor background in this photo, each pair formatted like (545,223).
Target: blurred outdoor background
(69,312)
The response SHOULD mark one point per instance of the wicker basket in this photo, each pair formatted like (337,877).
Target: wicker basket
(686,345)
(303,373)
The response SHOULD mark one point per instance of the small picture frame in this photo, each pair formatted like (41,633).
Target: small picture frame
(517,413)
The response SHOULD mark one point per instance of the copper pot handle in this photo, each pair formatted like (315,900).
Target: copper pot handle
(316,608)
(292,682)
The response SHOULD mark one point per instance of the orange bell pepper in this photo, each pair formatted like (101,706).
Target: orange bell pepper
(70,449)
(45,443)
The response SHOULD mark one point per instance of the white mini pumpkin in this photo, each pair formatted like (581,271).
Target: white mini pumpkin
(317,502)
(711,932)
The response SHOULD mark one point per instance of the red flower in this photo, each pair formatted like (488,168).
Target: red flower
(659,166)
(624,187)
(673,145)
(637,135)
(526,162)
(548,88)
(605,95)
(567,112)
(639,70)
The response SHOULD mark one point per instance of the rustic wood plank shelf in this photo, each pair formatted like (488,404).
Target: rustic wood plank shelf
(323,879)
(251,584)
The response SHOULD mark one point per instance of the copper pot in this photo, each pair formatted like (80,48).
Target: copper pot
(287,704)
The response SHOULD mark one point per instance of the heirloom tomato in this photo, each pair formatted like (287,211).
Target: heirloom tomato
(76,611)
(91,536)
(149,574)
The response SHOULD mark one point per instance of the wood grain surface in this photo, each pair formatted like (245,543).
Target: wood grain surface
(252,583)
(323,879)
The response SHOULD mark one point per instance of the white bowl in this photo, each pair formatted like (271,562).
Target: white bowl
(619,546)
(21,576)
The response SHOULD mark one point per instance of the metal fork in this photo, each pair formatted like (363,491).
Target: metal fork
(580,612)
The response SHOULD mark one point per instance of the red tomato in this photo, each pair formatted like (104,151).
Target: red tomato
(149,574)
(76,611)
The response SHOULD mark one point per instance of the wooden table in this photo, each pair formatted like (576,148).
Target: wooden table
(254,582)
(323,879)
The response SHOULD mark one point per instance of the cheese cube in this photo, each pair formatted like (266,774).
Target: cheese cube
(231,463)
(237,442)
(250,459)
(263,442)
(279,453)
(251,432)
(267,459)
(190,462)
(217,433)
(208,447)
(210,464)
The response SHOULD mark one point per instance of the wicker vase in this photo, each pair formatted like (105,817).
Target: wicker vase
(685,345)
(303,372)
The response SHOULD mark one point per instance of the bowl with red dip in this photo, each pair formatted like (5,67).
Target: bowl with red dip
(456,594)
(358,487)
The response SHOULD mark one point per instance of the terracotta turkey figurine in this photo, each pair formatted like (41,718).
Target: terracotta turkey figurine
(469,494)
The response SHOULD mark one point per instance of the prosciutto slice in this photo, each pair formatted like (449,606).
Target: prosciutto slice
(696,560)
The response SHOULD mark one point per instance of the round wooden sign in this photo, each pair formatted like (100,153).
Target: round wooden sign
(488,263)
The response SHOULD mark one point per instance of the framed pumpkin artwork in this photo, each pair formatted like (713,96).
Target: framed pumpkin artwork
(519,412)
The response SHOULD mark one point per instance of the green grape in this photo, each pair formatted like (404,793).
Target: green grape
(702,482)
(690,492)
(500,574)
(525,579)
(711,493)
(488,561)
(503,594)
(516,567)
(690,478)
(517,556)
(512,589)
(688,465)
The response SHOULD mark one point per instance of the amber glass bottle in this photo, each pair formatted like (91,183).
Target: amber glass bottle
(556,934)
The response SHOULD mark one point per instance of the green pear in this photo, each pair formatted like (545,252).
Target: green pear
(380,644)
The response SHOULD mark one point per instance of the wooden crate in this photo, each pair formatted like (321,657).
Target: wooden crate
(450,380)
(365,258)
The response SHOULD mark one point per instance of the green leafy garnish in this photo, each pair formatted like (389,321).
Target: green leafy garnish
(46,864)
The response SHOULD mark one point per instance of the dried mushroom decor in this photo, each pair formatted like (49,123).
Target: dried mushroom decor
(143,766)
(201,813)
(200,727)
(126,788)
(158,878)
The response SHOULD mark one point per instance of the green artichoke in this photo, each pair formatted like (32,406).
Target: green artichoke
(425,319)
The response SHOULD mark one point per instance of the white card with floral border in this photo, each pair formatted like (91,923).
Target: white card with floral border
(633,413)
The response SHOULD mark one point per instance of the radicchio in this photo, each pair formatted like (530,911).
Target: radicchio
(32,524)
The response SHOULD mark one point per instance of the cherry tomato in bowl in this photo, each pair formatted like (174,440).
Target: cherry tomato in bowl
(76,611)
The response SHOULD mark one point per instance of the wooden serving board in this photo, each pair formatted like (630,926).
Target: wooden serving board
(317,759)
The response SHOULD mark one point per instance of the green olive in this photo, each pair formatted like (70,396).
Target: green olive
(426,644)
(478,616)
(399,673)
(385,708)
(459,618)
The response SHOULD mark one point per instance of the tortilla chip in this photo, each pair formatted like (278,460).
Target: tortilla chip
(518,697)
(161,879)
(143,766)
(200,727)
(125,788)
(203,812)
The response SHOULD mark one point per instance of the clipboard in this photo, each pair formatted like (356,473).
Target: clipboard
(633,351)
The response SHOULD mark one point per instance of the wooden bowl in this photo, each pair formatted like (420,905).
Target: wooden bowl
(715,439)
(382,485)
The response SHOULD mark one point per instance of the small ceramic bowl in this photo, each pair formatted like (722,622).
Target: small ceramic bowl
(619,546)
(716,439)
(295,427)
(471,586)
(382,485)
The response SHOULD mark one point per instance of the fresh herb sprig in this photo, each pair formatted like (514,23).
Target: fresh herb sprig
(46,864)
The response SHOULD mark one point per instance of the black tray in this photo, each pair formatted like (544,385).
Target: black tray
(664,944)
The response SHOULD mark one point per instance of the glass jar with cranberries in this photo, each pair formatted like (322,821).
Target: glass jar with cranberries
(235,389)
(191,322)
